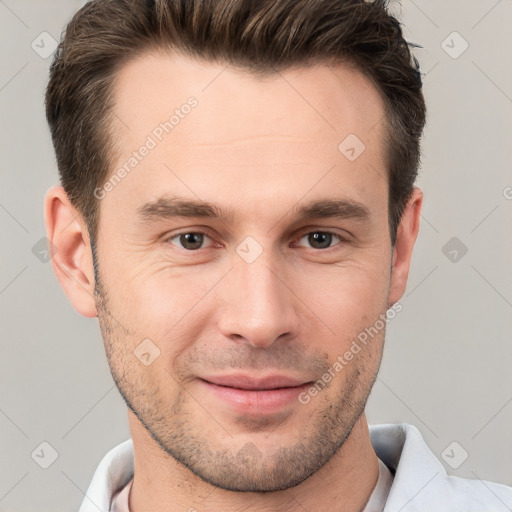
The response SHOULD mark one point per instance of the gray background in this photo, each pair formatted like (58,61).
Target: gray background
(446,366)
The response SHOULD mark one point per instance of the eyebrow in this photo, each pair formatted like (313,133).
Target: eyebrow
(172,207)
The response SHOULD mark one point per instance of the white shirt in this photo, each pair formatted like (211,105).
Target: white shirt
(416,481)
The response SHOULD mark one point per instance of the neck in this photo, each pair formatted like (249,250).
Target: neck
(343,484)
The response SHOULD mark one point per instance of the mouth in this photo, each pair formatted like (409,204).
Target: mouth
(249,383)
(255,395)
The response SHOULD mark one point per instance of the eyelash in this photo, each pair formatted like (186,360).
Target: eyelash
(301,235)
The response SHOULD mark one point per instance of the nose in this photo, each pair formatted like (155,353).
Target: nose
(259,305)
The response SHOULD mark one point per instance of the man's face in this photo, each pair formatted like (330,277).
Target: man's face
(243,319)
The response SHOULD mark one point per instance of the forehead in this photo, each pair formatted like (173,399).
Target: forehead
(325,97)
(259,134)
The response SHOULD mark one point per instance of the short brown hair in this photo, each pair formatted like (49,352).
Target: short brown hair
(261,36)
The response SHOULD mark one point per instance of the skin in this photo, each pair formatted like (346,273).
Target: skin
(257,147)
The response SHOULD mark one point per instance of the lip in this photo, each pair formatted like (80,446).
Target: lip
(254,395)
(246,382)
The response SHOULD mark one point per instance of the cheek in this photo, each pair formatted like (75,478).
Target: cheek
(165,304)
(347,297)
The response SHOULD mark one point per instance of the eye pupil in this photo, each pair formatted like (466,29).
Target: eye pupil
(196,239)
(324,239)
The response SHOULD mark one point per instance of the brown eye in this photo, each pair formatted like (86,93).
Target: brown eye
(190,241)
(321,239)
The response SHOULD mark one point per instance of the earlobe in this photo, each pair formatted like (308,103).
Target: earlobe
(406,237)
(70,251)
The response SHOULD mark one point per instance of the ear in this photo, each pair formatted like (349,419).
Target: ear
(402,252)
(70,250)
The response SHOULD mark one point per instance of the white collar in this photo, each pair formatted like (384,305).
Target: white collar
(420,480)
